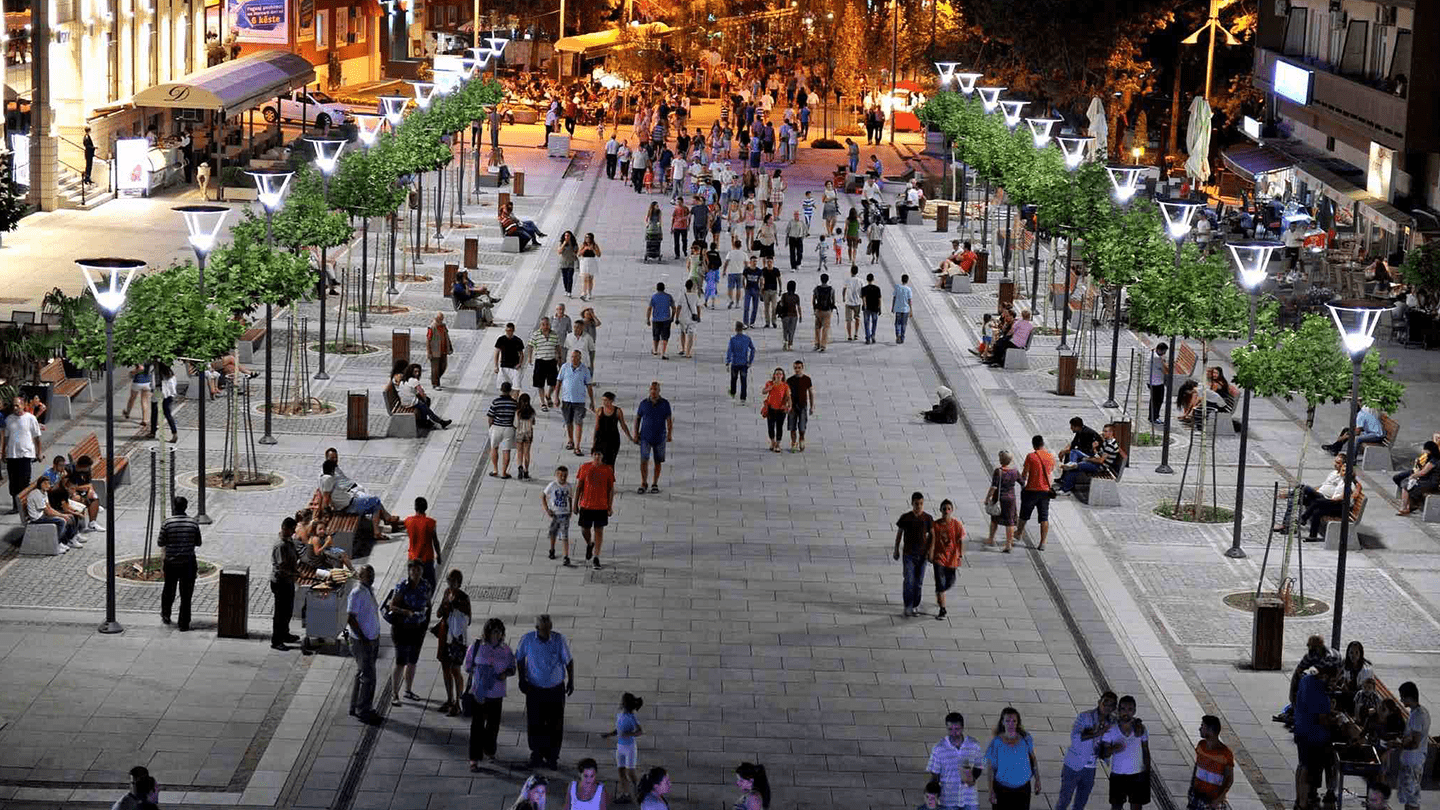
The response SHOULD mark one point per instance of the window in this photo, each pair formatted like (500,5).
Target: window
(1295,31)
(1352,59)
(322,25)
(1400,59)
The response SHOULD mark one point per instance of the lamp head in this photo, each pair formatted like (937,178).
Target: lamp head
(393,108)
(270,187)
(497,45)
(990,97)
(1074,147)
(1040,130)
(367,127)
(1356,324)
(967,82)
(327,153)
(1124,180)
(1178,215)
(947,72)
(202,225)
(424,94)
(481,57)
(1251,259)
(115,275)
(1012,110)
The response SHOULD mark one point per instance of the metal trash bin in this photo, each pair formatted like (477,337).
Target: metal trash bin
(234,602)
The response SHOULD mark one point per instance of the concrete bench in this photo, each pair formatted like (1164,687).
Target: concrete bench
(557,145)
(960,283)
(250,343)
(1377,457)
(912,217)
(1104,492)
(41,539)
(64,390)
(1017,359)
(465,319)
(510,245)
(404,423)
(1431,512)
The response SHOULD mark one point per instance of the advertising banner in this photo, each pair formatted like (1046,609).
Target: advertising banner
(132,165)
(20,149)
(262,21)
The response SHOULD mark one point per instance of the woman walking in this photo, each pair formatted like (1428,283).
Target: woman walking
(653,788)
(680,227)
(141,385)
(946,552)
(524,434)
(609,422)
(587,792)
(777,193)
(489,663)
(569,258)
(754,787)
(1000,501)
(750,225)
(453,623)
(168,392)
(592,329)
(777,405)
(407,608)
(1010,758)
(589,266)
(695,264)
(765,241)
(789,312)
(438,348)
(829,207)
(852,233)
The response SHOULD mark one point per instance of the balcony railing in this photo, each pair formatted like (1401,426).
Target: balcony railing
(1382,114)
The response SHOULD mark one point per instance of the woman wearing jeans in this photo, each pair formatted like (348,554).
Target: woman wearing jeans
(1010,758)
(489,663)
(168,392)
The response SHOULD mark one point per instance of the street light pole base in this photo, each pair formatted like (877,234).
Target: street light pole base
(392,290)
(1110,403)
(1163,469)
(1063,347)
(110,628)
(1235,553)
(320,375)
(203,519)
(268,439)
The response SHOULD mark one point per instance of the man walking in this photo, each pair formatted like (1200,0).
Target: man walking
(423,536)
(547,677)
(654,428)
(1414,746)
(900,305)
(870,299)
(179,537)
(509,354)
(753,277)
(802,405)
(544,352)
(914,530)
(22,446)
(1077,777)
(955,762)
(438,349)
(595,495)
(850,294)
(576,389)
(1128,746)
(687,316)
(612,151)
(734,271)
(1158,368)
(1214,771)
(658,316)
(770,293)
(501,418)
(795,231)
(364,621)
(739,354)
(1035,488)
(284,562)
(822,301)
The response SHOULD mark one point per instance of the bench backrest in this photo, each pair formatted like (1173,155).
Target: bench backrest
(24,512)
(1392,428)
(1357,505)
(1185,360)
(90,446)
(53,372)
(392,397)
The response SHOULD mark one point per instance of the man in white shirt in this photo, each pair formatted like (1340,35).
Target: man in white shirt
(1317,503)
(851,296)
(22,446)
(955,763)
(39,509)
(1128,747)
(735,262)
(364,621)
(579,340)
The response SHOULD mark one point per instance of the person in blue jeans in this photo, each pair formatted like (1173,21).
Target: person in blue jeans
(752,275)
(1368,430)
(1077,777)
(900,305)
(739,354)
(914,532)
(870,306)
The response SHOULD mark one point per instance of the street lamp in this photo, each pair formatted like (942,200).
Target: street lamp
(1178,216)
(327,158)
(1040,130)
(446,82)
(393,108)
(1251,259)
(947,72)
(270,188)
(367,128)
(1124,181)
(203,223)
(116,275)
(1073,148)
(967,82)
(424,94)
(1012,110)
(1356,323)
(990,97)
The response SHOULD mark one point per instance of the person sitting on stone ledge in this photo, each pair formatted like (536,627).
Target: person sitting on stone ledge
(467,296)
(525,230)
(1422,480)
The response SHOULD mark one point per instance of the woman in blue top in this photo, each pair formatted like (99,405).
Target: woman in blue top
(1012,766)
(627,728)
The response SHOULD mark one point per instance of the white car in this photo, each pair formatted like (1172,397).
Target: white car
(314,105)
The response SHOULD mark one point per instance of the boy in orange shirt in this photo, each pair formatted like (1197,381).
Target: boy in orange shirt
(595,494)
(424,541)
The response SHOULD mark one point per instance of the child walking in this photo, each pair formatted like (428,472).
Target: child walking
(558,499)
(627,728)
(822,251)
(524,434)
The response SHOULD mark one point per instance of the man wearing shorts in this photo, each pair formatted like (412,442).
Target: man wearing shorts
(1035,488)
(802,405)
(595,493)
(544,351)
(341,494)
(734,266)
(658,317)
(509,354)
(1414,746)
(653,428)
(851,294)
(575,389)
(1128,747)
(501,418)
(823,302)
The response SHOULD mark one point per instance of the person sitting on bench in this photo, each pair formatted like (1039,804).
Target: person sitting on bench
(911,199)
(1016,337)
(40,507)
(496,165)
(1107,457)
(467,296)
(1318,503)
(525,229)
(1368,430)
(339,493)
(959,263)
(413,396)
(946,411)
(1422,479)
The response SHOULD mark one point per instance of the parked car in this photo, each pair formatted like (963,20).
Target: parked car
(315,106)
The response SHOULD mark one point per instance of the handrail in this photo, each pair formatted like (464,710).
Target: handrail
(82,149)
(84,189)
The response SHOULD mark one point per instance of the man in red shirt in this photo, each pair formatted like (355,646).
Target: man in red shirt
(595,494)
(424,541)
(1035,488)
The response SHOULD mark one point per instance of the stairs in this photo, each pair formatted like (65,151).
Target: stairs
(70,193)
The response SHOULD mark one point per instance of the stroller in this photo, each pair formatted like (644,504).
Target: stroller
(653,238)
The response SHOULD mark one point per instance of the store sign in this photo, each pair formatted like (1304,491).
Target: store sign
(1293,82)
(132,163)
(263,21)
(1251,127)
(20,146)
(1380,171)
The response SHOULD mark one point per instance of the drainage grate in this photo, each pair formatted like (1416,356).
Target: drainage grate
(495,593)
(614,576)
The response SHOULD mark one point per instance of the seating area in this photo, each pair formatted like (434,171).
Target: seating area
(105,472)
(1358,500)
(64,390)
(41,539)
(250,342)
(1377,457)
(404,423)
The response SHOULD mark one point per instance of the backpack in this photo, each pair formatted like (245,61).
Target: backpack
(824,298)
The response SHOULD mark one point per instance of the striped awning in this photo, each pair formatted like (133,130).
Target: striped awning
(1251,161)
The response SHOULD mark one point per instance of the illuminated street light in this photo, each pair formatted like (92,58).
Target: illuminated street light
(1013,110)
(1074,147)
(1251,260)
(1178,216)
(947,72)
(967,82)
(1040,130)
(1124,180)
(327,153)
(270,188)
(393,108)
(424,94)
(367,127)
(990,97)
(202,227)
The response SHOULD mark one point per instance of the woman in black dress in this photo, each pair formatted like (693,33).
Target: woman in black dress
(609,422)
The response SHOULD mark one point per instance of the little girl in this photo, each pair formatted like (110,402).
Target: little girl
(627,728)
(822,251)
(749,224)
(524,434)
(712,286)
(732,214)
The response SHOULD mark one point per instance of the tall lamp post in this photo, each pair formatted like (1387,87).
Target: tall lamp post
(270,188)
(1178,216)
(1073,148)
(1124,180)
(203,223)
(1040,137)
(1356,323)
(115,275)
(327,158)
(1251,259)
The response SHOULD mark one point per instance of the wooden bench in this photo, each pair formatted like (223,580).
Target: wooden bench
(41,539)
(404,423)
(250,343)
(342,525)
(1332,524)
(1185,360)
(1376,457)
(64,390)
(103,471)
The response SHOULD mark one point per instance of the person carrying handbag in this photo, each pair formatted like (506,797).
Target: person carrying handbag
(489,662)
(453,622)
(407,609)
(1000,501)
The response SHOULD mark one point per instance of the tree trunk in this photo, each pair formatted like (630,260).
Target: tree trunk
(1174,146)
(1292,525)
(1204,409)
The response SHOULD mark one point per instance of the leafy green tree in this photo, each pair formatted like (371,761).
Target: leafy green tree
(308,220)
(247,272)
(1422,266)
(12,204)
(164,318)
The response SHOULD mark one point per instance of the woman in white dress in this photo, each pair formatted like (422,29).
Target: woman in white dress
(589,266)
(587,792)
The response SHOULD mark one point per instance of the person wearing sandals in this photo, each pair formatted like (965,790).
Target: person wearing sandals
(1000,501)
(776,406)
(524,435)
(489,662)
(654,427)
(407,609)
(627,728)
(609,422)
(453,617)
(595,493)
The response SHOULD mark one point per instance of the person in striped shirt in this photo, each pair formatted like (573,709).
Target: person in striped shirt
(179,537)
(501,417)
(1214,770)
(544,351)
(807,209)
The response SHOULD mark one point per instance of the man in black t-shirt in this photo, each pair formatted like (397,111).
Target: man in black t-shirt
(870,296)
(914,530)
(509,354)
(752,277)
(822,302)
(770,293)
(1082,444)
